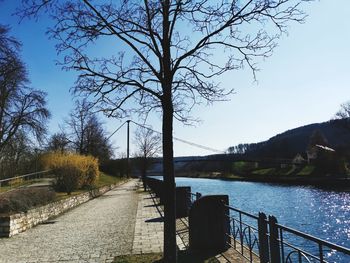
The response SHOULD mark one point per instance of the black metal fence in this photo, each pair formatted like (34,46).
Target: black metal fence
(262,238)
(244,233)
(313,250)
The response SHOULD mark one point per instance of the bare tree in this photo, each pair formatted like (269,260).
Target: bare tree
(16,156)
(164,57)
(77,124)
(21,107)
(96,140)
(344,112)
(58,142)
(148,145)
(86,132)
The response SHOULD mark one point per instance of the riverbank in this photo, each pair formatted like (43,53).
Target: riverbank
(329,182)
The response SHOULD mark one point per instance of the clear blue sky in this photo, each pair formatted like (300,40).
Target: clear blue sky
(304,82)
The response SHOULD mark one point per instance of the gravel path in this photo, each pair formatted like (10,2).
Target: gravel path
(96,231)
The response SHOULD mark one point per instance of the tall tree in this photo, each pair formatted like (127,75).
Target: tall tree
(148,145)
(58,142)
(21,107)
(86,132)
(164,57)
(77,125)
(96,140)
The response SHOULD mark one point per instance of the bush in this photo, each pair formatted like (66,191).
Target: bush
(21,200)
(72,171)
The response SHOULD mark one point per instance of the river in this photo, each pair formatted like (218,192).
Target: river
(320,212)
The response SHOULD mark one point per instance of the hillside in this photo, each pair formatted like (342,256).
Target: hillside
(292,142)
(282,146)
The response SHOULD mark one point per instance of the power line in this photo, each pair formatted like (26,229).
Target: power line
(175,138)
(116,130)
(181,140)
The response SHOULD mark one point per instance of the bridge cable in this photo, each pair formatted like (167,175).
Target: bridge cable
(181,140)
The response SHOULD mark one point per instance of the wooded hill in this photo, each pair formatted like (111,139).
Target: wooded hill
(280,149)
(336,134)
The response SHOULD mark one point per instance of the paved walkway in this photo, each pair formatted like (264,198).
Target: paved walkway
(148,235)
(149,228)
(123,221)
(96,231)
(149,232)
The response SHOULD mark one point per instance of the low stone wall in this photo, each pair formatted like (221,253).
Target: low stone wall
(13,224)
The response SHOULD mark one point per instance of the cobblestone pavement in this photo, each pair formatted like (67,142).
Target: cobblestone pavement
(149,228)
(148,234)
(96,231)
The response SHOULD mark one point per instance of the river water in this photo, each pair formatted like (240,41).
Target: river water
(320,212)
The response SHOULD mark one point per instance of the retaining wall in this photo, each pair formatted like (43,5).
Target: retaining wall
(16,223)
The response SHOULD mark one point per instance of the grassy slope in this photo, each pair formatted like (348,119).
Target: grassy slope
(102,180)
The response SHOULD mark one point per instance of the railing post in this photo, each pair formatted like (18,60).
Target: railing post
(274,243)
(263,240)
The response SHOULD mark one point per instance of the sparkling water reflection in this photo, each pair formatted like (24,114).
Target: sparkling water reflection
(319,212)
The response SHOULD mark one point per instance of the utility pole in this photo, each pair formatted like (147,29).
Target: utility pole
(128,149)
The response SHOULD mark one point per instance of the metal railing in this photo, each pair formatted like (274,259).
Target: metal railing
(314,249)
(25,177)
(257,238)
(244,233)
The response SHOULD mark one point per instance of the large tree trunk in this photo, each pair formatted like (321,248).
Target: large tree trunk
(169,182)
(170,248)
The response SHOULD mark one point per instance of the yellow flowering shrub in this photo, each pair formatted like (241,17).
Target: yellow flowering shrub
(73,171)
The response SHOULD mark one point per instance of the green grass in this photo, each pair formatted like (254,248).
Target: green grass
(105,179)
(183,257)
(16,185)
(307,170)
(243,167)
(266,171)
(239,165)
(290,170)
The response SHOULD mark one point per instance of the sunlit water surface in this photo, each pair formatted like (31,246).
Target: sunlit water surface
(320,212)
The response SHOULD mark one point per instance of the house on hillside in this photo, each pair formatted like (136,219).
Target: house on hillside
(298,159)
(313,152)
